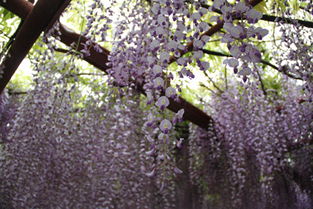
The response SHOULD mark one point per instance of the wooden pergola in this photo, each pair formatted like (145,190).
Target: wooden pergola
(40,17)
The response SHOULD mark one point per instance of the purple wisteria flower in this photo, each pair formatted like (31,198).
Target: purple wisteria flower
(241,7)
(252,54)
(253,16)
(150,97)
(179,143)
(178,116)
(232,62)
(217,4)
(158,83)
(151,120)
(162,102)
(177,170)
(170,92)
(260,33)
(198,54)
(203,65)
(157,70)
(165,126)
(151,173)
(235,51)
(151,152)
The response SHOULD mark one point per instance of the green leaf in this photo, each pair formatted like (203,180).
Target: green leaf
(295,6)
(7,15)
(261,7)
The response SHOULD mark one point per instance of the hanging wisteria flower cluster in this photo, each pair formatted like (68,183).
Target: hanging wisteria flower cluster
(147,41)
(62,156)
(101,145)
(238,35)
(250,126)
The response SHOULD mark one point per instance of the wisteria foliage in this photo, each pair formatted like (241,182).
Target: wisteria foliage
(114,149)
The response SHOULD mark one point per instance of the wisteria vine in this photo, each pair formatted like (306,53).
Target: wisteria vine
(66,145)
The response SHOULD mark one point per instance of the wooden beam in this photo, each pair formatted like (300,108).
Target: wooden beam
(21,8)
(99,59)
(39,17)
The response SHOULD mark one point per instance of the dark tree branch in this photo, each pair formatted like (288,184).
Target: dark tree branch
(87,74)
(262,61)
(211,80)
(66,51)
(18,92)
(271,18)
(206,51)
(225,77)
(261,83)
(280,70)
(206,87)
